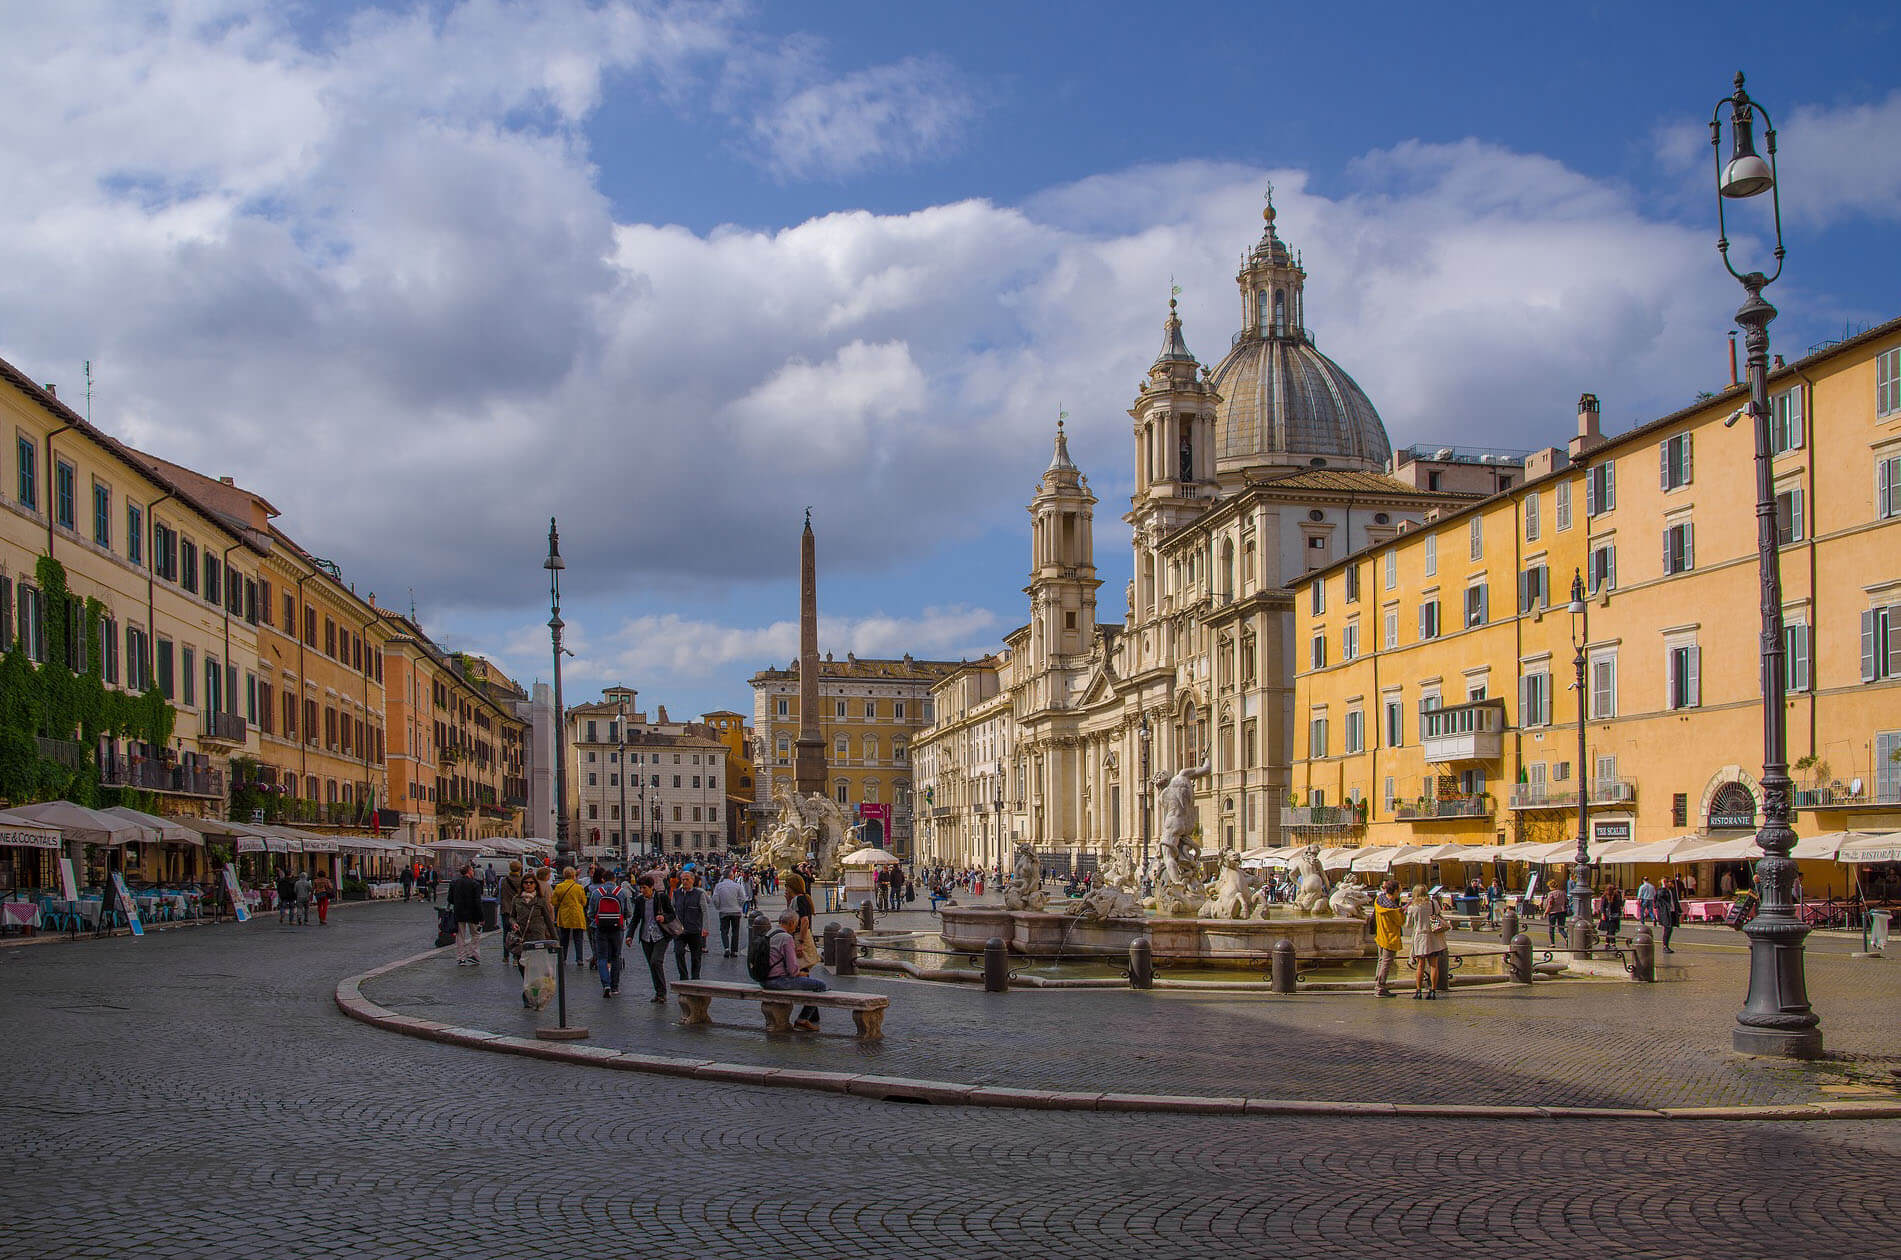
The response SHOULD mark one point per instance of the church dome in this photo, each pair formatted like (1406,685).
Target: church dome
(1282,401)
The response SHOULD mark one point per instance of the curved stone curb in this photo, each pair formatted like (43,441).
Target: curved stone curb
(350,1000)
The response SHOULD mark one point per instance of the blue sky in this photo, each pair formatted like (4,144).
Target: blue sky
(425,275)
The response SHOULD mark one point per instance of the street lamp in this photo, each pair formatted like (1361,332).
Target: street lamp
(1580,933)
(625,844)
(1144,731)
(998,815)
(1776,1018)
(553,564)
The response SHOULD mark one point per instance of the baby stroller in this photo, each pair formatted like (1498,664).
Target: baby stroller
(445,927)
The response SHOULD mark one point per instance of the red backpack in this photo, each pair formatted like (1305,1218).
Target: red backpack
(607,908)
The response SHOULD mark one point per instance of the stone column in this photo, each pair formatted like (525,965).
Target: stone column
(808,762)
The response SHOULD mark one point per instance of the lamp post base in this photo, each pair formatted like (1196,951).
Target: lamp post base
(560,1034)
(1805,1043)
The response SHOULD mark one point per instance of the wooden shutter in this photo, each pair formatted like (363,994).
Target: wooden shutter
(1893,623)
(1590,493)
(1870,627)
(1663,464)
(1693,690)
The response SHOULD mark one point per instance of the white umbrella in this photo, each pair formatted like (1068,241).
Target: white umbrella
(1735,849)
(1825,846)
(870,856)
(1338,859)
(1372,861)
(1653,850)
(1885,847)
(169,832)
(87,826)
(24,833)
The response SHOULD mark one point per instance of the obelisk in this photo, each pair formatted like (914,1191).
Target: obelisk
(808,759)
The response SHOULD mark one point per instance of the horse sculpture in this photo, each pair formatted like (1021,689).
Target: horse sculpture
(1230,897)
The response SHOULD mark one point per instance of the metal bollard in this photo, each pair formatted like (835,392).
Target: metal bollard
(846,946)
(1141,964)
(865,920)
(1580,936)
(1442,971)
(1508,926)
(1643,951)
(1518,960)
(996,966)
(1285,966)
(828,948)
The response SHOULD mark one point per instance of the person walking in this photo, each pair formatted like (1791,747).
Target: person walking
(653,910)
(465,900)
(323,890)
(1427,931)
(1557,912)
(1613,913)
(409,881)
(787,972)
(1668,909)
(1646,901)
(1389,921)
(507,893)
(570,915)
(534,916)
(693,911)
(796,899)
(301,890)
(607,905)
(729,902)
(1494,894)
(286,896)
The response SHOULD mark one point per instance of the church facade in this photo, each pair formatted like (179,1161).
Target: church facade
(1248,475)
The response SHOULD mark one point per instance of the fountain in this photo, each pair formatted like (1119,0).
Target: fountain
(1223,921)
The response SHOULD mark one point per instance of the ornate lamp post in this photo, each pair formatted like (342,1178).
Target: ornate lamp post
(998,814)
(1776,1018)
(626,844)
(554,565)
(1143,732)
(1580,934)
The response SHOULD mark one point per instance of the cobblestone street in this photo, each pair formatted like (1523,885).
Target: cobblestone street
(198,1094)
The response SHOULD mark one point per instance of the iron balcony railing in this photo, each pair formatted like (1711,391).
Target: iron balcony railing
(227,728)
(1603,792)
(157,776)
(1447,807)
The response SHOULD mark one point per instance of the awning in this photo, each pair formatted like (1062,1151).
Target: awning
(1411,855)
(245,839)
(1456,852)
(1825,846)
(1735,849)
(1615,851)
(23,833)
(1372,861)
(1650,850)
(169,832)
(87,826)
(1521,852)
(1885,847)
(1339,859)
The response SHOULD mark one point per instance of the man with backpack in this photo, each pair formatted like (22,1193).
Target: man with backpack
(608,901)
(773,961)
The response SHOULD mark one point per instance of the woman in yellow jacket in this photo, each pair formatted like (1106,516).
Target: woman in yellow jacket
(570,914)
(1389,922)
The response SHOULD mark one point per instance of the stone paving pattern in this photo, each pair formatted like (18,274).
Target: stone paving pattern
(1607,1043)
(197,1094)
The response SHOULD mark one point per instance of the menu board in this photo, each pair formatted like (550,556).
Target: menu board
(131,906)
(237,894)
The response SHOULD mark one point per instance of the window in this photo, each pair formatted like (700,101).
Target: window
(214,580)
(897,710)
(784,708)
(1604,686)
(66,493)
(1680,809)
(871,708)
(188,565)
(109,650)
(1888,487)
(1600,489)
(1789,517)
(1353,732)
(1887,765)
(1888,382)
(1679,548)
(1534,698)
(1880,642)
(1350,641)
(1785,421)
(135,533)
(1534,588)
(1561,506)
(1317,737)
(165,681)
(1352,578)
(841,748)
(187,675)
(138,665)
(1475,605)
(1674,457)
(1531,517)
(101,515)
(1432,554)
(31,625)
(785,751)
(1392,569)
(29,484)
(1389,632)
(310,641)
(1475,538)
(898,750)
(1797,663)
(1319,602)
(1317,658)
(1603,574)
(1685,683)
(838,708)
(1429,619)
(871,748)
(330,638)
(1395,723)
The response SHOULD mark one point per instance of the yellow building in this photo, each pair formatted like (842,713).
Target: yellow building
(731,729)
(159,594)
(1435,697)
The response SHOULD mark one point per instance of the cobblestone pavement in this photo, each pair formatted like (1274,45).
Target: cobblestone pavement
(196,1094)
(1609,1043)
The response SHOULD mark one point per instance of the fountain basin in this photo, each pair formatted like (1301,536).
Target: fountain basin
(1210,942)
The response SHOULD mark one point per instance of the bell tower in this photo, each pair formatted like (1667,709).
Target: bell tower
(1063,578)
(1272,279)
(1174,416)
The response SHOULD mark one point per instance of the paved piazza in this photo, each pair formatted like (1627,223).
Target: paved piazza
(198,1094)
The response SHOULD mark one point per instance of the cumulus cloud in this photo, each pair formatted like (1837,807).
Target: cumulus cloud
(910,109)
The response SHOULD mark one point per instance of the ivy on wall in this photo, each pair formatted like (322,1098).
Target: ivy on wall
(54,702)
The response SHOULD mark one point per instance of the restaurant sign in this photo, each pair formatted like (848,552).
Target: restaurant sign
(131,906)
(1733,808)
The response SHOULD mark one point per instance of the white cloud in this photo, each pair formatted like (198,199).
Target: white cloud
(899,113)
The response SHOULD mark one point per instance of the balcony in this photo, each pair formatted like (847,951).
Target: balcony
(67,752)
(1839,796)
(1445,807)
(1463,732)
(1321,818)
(1603,792)
(149,775)
(224,728)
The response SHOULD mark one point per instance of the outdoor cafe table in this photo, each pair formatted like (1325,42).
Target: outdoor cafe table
(87,908)
(20,914)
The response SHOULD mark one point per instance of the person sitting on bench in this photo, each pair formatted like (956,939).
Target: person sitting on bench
(785,974)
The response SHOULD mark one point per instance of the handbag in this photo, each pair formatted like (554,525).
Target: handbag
(1437,924)
(672,927)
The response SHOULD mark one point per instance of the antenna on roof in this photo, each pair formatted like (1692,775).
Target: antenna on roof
(88,391)
(412,603)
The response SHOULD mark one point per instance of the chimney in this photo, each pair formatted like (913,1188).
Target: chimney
(1589,435)
(226,481)
(1778,361)
(51,389)
(1733,382)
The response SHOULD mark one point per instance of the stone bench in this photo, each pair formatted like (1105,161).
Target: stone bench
(696,996)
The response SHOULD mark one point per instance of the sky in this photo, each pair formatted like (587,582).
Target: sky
(427,274)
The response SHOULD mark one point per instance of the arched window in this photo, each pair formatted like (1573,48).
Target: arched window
(841,747)
(1280,311)
(871,789)
(1260,311)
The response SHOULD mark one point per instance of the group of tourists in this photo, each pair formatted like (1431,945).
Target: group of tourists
(297,893)
(1660,903)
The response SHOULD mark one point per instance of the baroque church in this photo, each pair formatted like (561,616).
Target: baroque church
(1247,475)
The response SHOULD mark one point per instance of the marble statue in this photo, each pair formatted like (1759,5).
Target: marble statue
(808,828)
(1024,891)
(1310,893)
(1114,893)
(1350,899)
(1229,898)
(1181,853)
